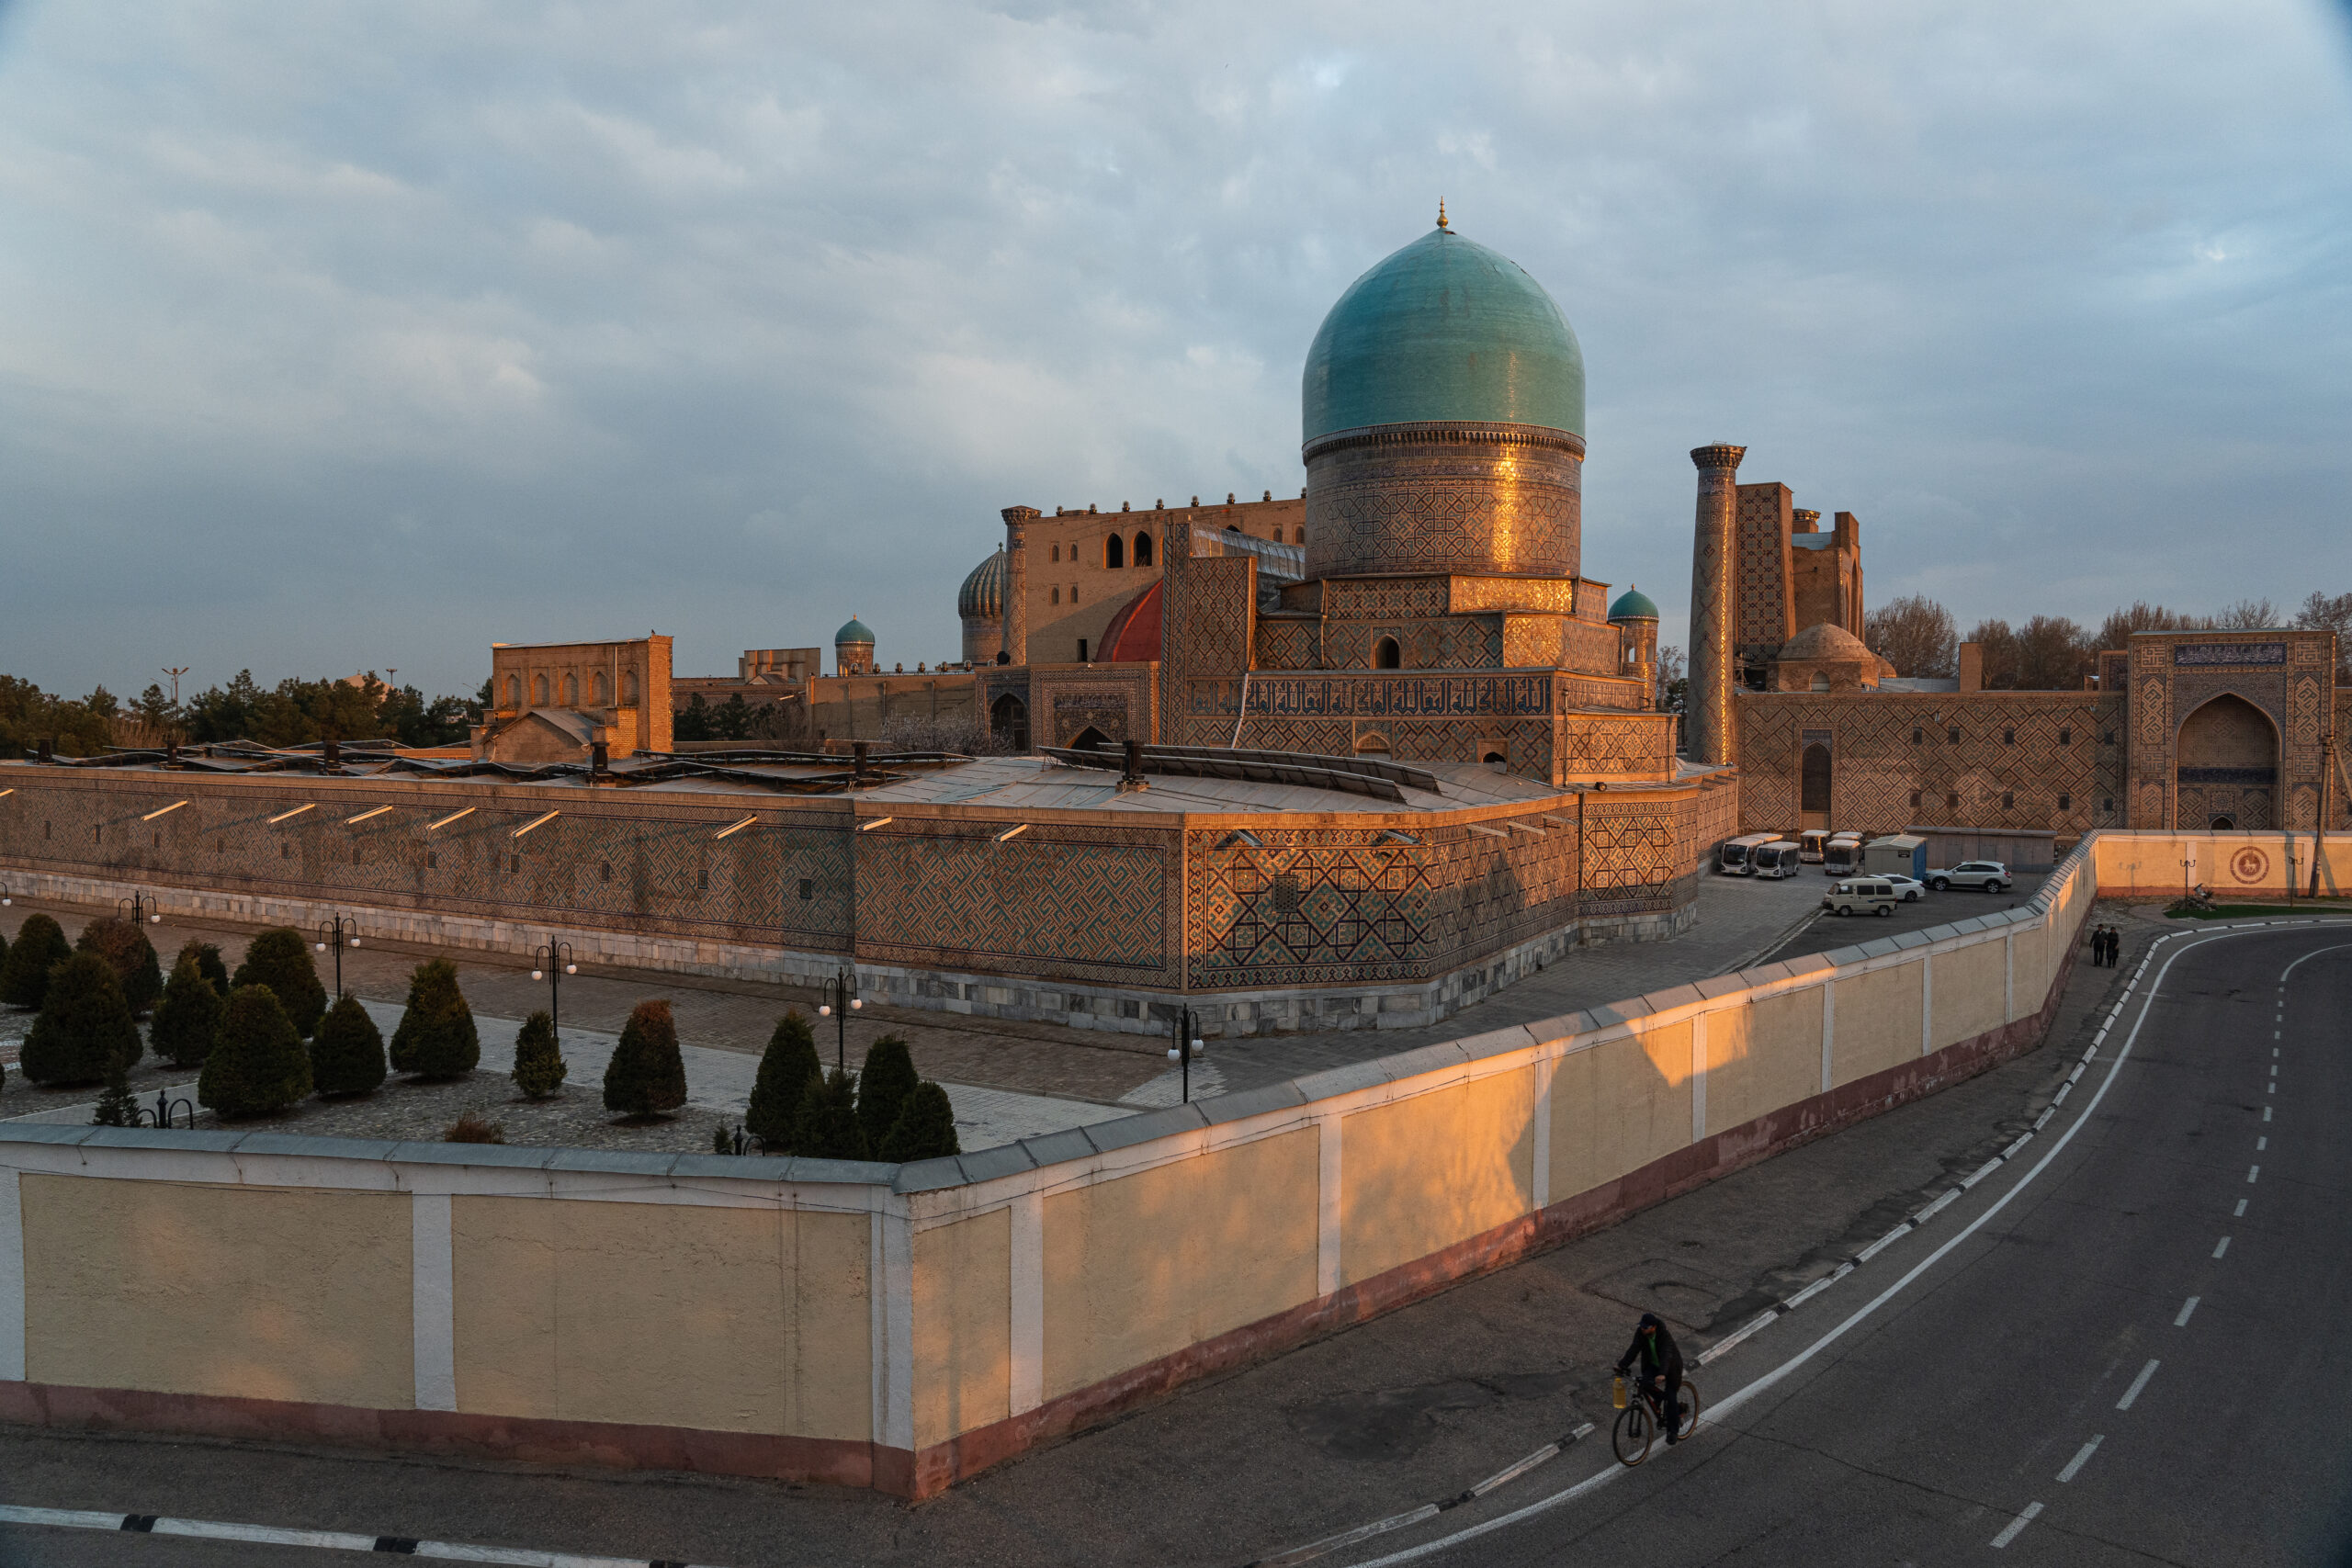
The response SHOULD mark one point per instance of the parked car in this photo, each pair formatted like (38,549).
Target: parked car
(1909,889)
(1985,876)
(1862,896)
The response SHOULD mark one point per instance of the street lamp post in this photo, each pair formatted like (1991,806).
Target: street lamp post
(840,992)
(1188,1046)
(336,933)
(551,960)
(140,909)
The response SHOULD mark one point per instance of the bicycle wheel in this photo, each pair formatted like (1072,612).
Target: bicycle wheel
(1685,1401)
(1633,1432)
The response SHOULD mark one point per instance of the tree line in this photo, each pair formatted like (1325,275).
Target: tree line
(295,712)
(2050,653)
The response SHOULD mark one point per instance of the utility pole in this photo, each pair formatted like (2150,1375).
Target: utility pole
(175,675)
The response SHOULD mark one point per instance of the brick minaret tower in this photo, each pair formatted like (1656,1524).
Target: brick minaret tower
(1017,581)
(1708,733)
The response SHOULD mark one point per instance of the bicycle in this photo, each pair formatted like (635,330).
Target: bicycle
(1642,1413)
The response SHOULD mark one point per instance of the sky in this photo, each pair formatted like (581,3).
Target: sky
(361,336)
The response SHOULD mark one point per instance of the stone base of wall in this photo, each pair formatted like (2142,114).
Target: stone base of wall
(1221,1014)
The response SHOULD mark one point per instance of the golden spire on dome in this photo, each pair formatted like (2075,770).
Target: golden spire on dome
(1440,212)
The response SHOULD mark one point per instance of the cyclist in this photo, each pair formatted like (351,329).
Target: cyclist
(1661,1361)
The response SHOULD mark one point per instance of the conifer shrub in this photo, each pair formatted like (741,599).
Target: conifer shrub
(436,1038)
(281,959)
(787,1068)
(116,1107)
(187,1016)
(646,1076)
(39,947)
(208,963)
(126,947)
(540,1067)
(827,1127)
(258,1064)
(83,1025)
(347,1054)
(884,1082)
(925,1128)
(4,952)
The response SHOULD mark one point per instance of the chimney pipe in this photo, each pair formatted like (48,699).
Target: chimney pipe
(857,759)
(1131,775)
(42,753)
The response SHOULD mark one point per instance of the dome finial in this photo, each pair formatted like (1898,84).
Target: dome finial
(1440,212)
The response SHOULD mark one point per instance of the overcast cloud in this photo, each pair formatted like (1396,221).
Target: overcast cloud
(363,335)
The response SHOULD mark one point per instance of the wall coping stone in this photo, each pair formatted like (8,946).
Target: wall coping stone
(1905,941)
(517,1158)
(1128,1131)
(935,1175)
(1496,1042)
(1724,985)
(156,1138)
(1325,1082)
(312,1143)
(1005,1159)
(1433,1058)
(1250,1102)
(1052,1148)
(1668,999)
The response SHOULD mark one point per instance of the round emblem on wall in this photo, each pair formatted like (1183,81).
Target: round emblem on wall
(2249,864)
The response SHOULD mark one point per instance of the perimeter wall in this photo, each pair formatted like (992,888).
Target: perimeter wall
(901,1327)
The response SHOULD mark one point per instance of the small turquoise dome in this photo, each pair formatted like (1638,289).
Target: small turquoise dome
(856,632)
(1632,605)
(1446,329)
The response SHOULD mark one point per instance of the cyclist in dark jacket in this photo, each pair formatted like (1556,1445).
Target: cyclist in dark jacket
(1661,1361)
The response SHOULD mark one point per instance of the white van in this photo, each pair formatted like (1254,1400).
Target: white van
(1862,896)
(1778,859)
(1730,859)
(1842,855)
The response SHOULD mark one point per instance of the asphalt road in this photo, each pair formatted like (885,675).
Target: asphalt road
(2092,1360)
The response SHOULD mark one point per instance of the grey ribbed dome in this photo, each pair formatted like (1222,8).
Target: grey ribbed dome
(982,596)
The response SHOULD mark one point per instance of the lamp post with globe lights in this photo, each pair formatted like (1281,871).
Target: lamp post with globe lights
(841,1000)
(1188,1046)
(338,933)
(140,909)
(552,962)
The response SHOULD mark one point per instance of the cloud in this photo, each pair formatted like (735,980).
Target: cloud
(364,335)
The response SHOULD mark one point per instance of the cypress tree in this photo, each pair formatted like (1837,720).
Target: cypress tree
(126,947)
(786,1069)
(925,1128)
(39,947)
(116,1107)
(540,1067)
(188,1018)
(347,1056)
(4,952)
(207,963)
(83,1025)
(646,1075)
(883,1084)
(436,1038)
(259,1063)
(281,959)
(827,1127)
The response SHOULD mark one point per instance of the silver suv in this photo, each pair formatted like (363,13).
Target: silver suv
(1985,876)
(1862,896)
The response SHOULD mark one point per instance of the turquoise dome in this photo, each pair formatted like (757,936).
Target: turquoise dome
(856,632)
(1632,605)
(1446,329)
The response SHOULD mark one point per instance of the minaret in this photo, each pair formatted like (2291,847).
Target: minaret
(1708,732)
(1017,581)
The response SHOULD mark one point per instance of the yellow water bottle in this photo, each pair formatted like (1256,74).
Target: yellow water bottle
(1617,1392)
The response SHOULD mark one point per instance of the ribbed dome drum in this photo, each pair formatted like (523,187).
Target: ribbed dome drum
(981,603)
(1442,415)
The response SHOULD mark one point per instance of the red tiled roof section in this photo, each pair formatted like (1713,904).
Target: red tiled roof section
(1133,636)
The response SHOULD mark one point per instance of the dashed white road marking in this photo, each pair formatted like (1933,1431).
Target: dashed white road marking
(2223,1245)
(2137,1384)
(2251,1172)
(2266,1113)
(2238,1215)
(2181,1322)
(2260,1144)
(2082,1457)
(2010,1533)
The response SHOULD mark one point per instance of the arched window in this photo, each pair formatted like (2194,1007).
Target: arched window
(1143,549)
(1058,553)
(1373,745)
(1820,682)
(628,688)
(1387,655)
(2223,825)
(1115,551)
(1301,534)
(604,690)
(1089,740)
(1008,720)
(514,691)
(1054,595)
(538,691)
(571,691)
(1492,756)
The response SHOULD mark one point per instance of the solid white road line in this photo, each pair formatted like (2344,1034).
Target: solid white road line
(2182,1321)
(2239,1214)
(1349,1538)
(2223,1245)
(2082,1457)
(2016,1523)
(333,1541)
(2137,1384)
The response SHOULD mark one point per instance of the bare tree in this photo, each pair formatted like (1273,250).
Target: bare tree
(2117,629)
(2053,654)
(2248,615)
(1914,634)
(2322,614)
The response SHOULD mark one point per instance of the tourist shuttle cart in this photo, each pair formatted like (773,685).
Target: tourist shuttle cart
(1730,859)
(1810,844)
(1776,859)
(1842,855)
